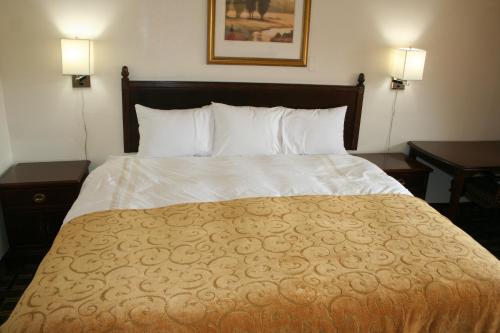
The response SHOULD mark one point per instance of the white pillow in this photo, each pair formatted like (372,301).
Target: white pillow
(310,132)
(246,130)
(170,133)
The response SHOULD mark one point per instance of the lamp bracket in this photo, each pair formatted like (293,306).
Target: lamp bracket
(81,81)
(398,84)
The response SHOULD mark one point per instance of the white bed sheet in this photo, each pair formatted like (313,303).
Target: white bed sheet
(131,182)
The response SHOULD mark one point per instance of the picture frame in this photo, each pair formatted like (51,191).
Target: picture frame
(276,33)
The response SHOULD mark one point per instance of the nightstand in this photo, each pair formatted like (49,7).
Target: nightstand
(35,198)
(411,174)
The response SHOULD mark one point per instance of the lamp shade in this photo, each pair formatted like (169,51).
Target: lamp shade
(77,57)
(408,64)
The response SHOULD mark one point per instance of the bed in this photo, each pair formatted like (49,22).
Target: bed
(255,243)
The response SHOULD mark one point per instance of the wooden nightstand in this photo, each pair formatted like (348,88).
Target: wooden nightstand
(411,174)
(35,198)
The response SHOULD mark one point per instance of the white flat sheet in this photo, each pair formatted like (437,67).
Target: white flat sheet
(129,182)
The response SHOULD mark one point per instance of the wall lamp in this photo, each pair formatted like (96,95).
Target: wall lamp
(78,60)
(408,65)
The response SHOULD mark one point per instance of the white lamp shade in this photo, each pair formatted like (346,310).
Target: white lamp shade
(408,64)
(77,57)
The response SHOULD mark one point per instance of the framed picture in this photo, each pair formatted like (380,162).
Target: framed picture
(258,32)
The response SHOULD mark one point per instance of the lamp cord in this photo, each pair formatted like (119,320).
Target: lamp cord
(389,135)
(84,124)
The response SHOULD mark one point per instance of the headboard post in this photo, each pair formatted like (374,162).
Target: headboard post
(358,107)
(126,107)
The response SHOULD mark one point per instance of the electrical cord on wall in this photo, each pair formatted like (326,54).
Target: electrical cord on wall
(84,124)
(389,135)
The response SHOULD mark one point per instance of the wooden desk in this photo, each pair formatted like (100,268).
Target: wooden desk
(460,159)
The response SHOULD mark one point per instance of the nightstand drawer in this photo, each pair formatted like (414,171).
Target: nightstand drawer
(409,179)
(34,228)
(418,191)
(38,197)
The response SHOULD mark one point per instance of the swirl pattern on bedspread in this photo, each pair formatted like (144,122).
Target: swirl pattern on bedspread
(374,263)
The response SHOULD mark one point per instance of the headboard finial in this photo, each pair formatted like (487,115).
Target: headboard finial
(125,72)
(361,80)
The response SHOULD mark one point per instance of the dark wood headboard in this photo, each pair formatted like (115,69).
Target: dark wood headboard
(185,95)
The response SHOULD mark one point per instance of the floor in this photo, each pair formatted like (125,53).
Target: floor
(484,227)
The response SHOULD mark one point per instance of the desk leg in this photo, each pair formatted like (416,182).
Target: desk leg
(412,155)
(457,188)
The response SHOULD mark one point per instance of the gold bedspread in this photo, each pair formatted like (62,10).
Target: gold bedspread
(374,263)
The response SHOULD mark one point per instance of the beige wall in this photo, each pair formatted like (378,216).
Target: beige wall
(5,151)
(5,162)
(166,39)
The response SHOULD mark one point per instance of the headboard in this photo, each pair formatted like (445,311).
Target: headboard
(185,95)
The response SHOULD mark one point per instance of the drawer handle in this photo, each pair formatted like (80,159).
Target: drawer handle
(39,198)
(402,181)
